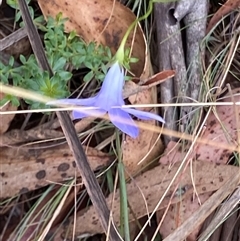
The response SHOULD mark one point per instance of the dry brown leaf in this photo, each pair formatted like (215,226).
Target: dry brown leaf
(5,120)
(21,173)
(208,177)
(103,22)
(158,77)
(205,210)
(220,127)
(225,9)
(147,146)
(130,89)
(178,213)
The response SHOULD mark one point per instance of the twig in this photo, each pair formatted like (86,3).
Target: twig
(12,38)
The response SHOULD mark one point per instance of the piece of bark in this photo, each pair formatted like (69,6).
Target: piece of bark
(166,27)
(194,16)
(171,45)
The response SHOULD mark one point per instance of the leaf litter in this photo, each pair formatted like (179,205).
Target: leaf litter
(144,193)
(222,127)
(146,190)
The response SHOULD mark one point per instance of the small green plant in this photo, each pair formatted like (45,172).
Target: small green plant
(14,4)
(63,52)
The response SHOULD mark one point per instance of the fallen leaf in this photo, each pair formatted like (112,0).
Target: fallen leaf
(179,212)
(147,146)
(138,153)
(130,89)
(24,172)
(158,77)
(224,10)
(205,210)
(221,127)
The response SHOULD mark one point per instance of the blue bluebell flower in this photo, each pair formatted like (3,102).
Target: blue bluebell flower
(110,100)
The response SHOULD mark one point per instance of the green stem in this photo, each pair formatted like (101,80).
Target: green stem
(120,51)
(123,193)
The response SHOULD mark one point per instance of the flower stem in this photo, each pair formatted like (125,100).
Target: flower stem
(120,52)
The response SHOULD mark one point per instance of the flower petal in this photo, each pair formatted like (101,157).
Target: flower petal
(78,114)
(124,122)
(144,115)
(111,90)
(85,102)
